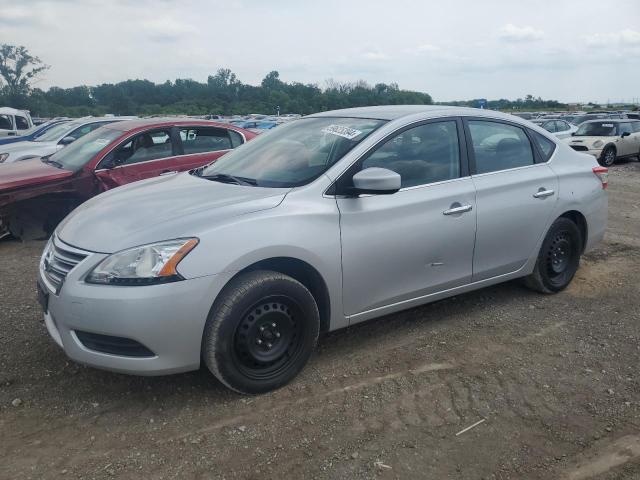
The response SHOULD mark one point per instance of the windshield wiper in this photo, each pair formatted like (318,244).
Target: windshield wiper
(46,159)
(225,178)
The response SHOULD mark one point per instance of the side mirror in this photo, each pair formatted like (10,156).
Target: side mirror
(67,140)
(625,134)
(573,134)
(376,181)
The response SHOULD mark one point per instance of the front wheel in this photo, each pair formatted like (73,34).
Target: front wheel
(558,259)
(261,332)
(608,157)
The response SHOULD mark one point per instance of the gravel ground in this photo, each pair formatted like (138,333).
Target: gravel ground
(555,379)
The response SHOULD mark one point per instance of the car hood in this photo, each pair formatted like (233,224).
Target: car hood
(161,208)
(16,150)
(28,173)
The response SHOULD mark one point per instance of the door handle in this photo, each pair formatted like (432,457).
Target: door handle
(168,172)
(543,193)
(460,209)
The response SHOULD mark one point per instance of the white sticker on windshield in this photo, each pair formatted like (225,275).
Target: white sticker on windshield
(341,131)
(607,125)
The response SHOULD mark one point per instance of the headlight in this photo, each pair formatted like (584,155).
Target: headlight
(3,157)
(598,144)
(145,265)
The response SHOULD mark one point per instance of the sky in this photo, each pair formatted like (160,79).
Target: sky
(568,50)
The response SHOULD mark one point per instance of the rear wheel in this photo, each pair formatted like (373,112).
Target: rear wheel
(261,332)
(608,157)
(558,259)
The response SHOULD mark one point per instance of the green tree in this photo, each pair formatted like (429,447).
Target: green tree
(18,69)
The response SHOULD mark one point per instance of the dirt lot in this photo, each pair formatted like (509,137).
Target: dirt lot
(555,378)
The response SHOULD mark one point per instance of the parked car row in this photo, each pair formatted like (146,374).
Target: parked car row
(42,180)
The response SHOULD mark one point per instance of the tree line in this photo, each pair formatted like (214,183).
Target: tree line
(222,94)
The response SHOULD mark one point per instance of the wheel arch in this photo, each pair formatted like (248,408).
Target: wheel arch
(581,222)
(304,273)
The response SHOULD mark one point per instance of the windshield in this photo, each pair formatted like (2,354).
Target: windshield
(294,154)
(54,133)
(596,129)
(77,154)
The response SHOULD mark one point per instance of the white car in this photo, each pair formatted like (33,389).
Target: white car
(53,140)
(14,122)
(608,140)
(560,128)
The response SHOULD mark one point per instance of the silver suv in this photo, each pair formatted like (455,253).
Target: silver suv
(327,221)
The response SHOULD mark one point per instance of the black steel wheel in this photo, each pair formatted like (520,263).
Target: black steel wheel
(261,331)
(608,157)
(558,259)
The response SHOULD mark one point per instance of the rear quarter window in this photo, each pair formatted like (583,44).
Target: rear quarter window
(545,146)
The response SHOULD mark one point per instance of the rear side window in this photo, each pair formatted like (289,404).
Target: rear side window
(636,126)
(200,140)
(499,146)
(236,139)
(21,123)
(546,146)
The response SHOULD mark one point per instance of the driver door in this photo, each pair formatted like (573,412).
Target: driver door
(145,155)
(399,247)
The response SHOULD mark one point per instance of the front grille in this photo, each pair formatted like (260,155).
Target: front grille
(579,148)
(124,347)
(58,260)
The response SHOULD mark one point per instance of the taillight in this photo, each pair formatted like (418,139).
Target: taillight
(603,174)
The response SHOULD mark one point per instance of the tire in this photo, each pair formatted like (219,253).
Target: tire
(608,157)
(260,332)
(558,259)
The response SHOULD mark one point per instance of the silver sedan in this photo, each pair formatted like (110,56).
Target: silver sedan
(325,222)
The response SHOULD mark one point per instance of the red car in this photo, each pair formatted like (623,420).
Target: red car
(36,194)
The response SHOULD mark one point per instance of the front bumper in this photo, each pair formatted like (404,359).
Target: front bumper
(596,152)
(168,319)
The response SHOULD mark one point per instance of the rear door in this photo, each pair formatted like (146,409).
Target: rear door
(202,145)
(516,194)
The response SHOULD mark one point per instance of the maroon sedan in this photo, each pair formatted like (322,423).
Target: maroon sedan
(36,194)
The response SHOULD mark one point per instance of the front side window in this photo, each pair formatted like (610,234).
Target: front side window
(421,155)
(624,127)
(294,154)
(596,129)
(545,145)
(499,146)
(635,126)
(550,126)
(562,126)
(5,122)
(21,123)
(144,147)
(204,139)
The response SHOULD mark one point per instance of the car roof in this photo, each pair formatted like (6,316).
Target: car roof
(11,111)
(127,125)
(393,112)
(612,120)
